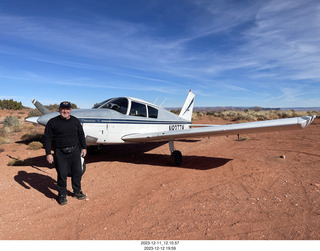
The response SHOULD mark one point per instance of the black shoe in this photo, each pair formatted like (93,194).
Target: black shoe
(80,195)
(62,200)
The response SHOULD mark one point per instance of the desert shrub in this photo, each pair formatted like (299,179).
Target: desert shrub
(3,136)
(10,121)
(28,126)
(176,111)
(3,131)
(196,115)
(34,113)
(35,145)
(13,123)
(210,113)
(251,115)
(10,104)
(4,140)
(243,137)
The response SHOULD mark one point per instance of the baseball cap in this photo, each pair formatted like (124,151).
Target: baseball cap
(65,104)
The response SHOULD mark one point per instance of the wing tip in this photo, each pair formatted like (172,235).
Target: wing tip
(307,120)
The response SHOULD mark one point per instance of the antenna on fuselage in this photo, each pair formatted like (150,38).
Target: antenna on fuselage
(163,102)
(156,101)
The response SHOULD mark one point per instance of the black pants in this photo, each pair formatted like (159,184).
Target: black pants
(65,163)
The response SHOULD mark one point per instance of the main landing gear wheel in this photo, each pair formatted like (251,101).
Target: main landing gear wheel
(176,157)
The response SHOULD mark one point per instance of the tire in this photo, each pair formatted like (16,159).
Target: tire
(177,158)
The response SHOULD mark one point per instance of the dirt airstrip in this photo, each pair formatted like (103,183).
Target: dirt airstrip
(265,187)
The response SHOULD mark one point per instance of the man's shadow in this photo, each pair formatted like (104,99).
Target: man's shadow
(42,183)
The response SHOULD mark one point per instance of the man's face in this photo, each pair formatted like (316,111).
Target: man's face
(65,112)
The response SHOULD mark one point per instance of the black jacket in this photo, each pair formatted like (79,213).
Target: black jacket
(61,133)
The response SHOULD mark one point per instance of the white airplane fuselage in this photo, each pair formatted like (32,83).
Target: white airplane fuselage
(111,131)
(108,125)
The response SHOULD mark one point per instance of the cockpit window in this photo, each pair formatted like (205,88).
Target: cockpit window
(153,112)
(117,104)
(96,106)
(138,109)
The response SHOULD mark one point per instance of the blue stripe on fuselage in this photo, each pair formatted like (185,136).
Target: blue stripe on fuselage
(129,121)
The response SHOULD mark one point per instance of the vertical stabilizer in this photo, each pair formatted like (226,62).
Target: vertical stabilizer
(40,107)
(187,109)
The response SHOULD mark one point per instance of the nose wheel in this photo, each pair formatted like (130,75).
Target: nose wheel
(176,155)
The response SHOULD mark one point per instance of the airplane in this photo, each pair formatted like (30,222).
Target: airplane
(126,120)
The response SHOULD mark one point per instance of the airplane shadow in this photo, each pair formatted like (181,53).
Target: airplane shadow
(134,155)
(188,162)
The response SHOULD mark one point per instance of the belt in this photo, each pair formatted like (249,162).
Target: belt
(68,149)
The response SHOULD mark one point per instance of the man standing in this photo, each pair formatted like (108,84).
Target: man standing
(64,134)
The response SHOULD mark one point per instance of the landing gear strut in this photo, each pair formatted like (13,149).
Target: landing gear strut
(175,154)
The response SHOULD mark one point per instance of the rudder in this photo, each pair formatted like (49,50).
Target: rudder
(187,108)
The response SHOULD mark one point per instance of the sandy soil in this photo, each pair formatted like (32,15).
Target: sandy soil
(225,189)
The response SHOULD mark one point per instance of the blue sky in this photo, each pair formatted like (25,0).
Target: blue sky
(229,53)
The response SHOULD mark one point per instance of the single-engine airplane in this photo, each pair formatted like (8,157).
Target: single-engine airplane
(126,120)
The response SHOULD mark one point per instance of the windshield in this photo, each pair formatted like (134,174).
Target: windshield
(117,104)
(96,106)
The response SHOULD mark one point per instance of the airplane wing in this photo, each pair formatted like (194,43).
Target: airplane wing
(220,130)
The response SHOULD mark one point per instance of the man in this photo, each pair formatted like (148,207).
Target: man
(64,134)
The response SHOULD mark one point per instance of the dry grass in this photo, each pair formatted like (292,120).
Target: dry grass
(4,140)
(12,124)
(243,137)
(3,135)
(35,145)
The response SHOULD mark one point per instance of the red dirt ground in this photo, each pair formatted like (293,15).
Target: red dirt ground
(224,190)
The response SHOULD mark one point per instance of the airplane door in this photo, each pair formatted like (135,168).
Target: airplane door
(95,133)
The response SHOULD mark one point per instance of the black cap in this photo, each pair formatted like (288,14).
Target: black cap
(65,104)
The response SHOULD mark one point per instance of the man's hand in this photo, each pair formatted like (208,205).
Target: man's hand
(83,153)
(50,158)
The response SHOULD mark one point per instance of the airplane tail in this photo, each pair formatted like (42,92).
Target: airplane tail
(40,107)
(187,109)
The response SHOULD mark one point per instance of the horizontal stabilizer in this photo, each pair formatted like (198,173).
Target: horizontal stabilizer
(40,107)
(32,119)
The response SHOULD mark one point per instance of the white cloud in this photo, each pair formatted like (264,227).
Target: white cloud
(240,46)
(287,39)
